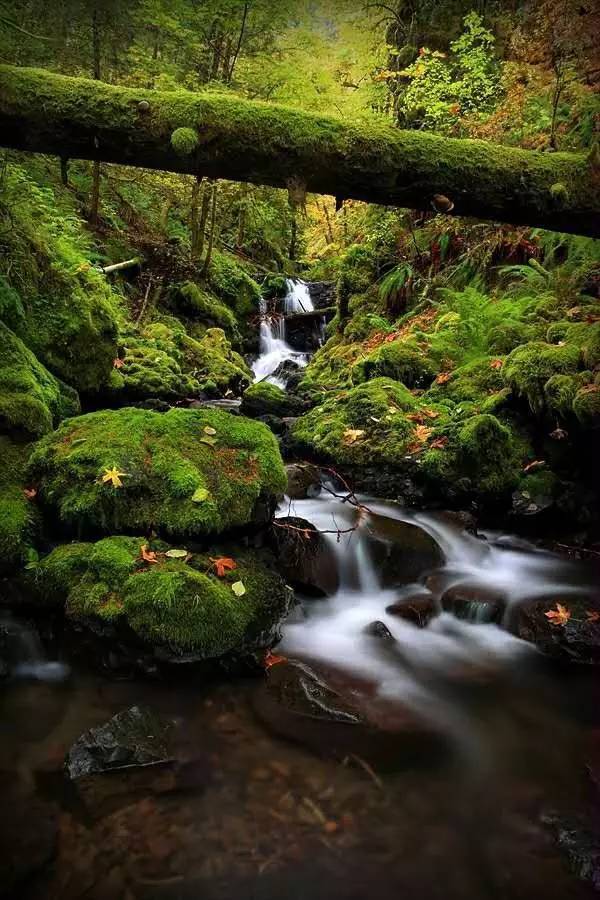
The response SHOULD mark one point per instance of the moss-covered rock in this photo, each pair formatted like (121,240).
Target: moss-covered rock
(475,381)
(400,360)
(184,141)
(177,607)
(17,516)
(586,405)
(502,339)
(190,472)
(214,362)
(191,301)
(234,286)
(31,399)
(528,368)
(265,399)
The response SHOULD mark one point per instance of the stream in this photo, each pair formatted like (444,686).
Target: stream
(263,806)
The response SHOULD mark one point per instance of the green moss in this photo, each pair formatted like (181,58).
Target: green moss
(275,287)
(400,360)
(184,141)
(197,304)
(17,513)
(180,478)
(586,405)
(502,339)
(559,194)
(181,606)
(476,381)
(214,362)
(528,368)
(264,398)
(232,284)
(560,391)
(31,399)
(363,325)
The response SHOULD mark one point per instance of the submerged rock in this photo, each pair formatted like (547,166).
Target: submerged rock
(474,603)
(419,608)
(186,472)
(134,737)
(305,559)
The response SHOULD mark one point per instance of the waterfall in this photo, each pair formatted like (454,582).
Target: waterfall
(274,349)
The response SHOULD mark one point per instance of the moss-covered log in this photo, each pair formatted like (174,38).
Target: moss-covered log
(225,137)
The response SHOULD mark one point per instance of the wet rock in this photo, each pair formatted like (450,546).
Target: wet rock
(275,423)
(134,737)
(303,480)
(418,609)
(322,294)
(380,631)
(305,559)
(462,519)
(28,837)
(402,552)
(573,637)
(579,840)
(474,603)
(288,369)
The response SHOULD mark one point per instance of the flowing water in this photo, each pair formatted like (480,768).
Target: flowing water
(274,349)
(257,816)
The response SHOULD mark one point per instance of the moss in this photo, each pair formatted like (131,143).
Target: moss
(266,399)
(179,606)
(586,405)
(31,399)
(476,381)
(197,304)
(275,287)
(540,487)
(232,284)
(376,410)
(528,368)
(483,457)
(17,513)
(362,325)
(184,141)
(180,477)
(400,360)
(214,362)
(559,194)
(560,391)
(502,339)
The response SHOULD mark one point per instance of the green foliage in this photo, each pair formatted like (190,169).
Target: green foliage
(184,141)
(529,367)
(167,458)
(265,399)
(17,516)
(400,360)
(31,399)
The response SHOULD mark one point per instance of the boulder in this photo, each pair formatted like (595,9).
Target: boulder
(160,604)
(570,634)
(418,608)
(305,559)
(264,398)
(401,551)
(474,603)
(184,472)
(303,480)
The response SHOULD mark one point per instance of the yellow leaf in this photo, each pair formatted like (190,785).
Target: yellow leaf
(114,476)
(238,588)
(352,434)
(558,616)
(209,430)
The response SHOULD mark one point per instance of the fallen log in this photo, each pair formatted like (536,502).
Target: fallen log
(118,267)
(327,312)
(220,136)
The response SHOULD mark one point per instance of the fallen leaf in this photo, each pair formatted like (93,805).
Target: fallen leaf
(114,476)
(559,434)
(211,441)
(175,553)
(210,431)
(238,588)
(118,363)
(443,377)
(30,493)
(496,364)
(272,659)
(352,434)
(146,555)
(223,564)
(592,616)
(422,433)
(536,464)
(558,616)
(200,495)
(430,413)
(439,443)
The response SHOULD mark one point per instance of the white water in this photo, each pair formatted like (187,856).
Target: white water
(274,348)
(422,662)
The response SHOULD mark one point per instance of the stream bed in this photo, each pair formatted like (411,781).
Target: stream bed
(251,813)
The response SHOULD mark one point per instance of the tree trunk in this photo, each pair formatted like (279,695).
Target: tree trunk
(261,143)
(205,209)
(194,221)
(213,224)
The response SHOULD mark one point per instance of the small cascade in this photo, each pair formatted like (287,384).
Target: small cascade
(274,348)
(22,657)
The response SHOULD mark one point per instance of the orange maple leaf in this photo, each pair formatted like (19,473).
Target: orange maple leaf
(422,433)
(30,493)
(536,464)
(439,443)
(118,363)
(558,616)
(146,555)
(443,377)
(496,364)
(271,659)
(223,564)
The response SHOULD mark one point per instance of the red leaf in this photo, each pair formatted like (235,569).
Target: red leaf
(146,555)
(30,493)
(118,363)
(223,564)
(271,659)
